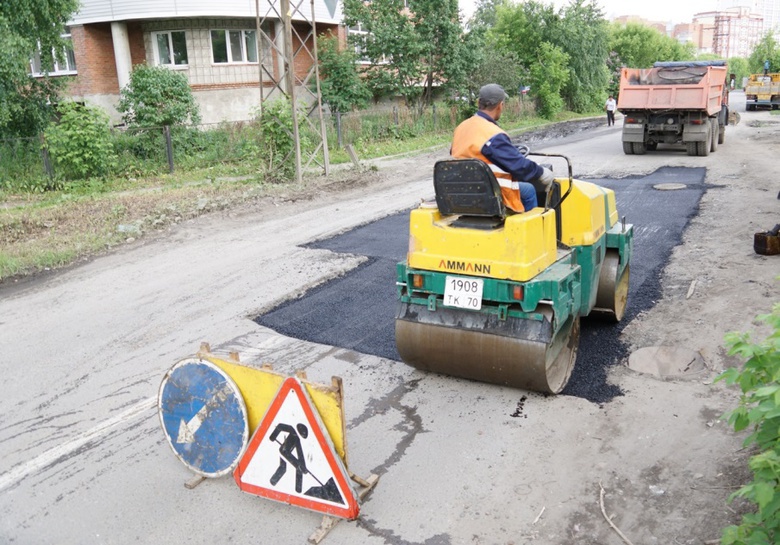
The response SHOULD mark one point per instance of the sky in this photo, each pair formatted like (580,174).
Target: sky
(655,10)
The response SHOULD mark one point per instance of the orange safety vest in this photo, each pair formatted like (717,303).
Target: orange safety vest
(467,143)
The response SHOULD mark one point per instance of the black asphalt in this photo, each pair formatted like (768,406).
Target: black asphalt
(356,311)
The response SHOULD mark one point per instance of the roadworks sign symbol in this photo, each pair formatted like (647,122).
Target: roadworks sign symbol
(291,459)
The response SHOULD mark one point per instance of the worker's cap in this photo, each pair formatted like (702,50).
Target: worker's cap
(491,95)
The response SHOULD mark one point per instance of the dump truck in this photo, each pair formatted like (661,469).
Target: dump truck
(493,296)
(674,103)
(762,91)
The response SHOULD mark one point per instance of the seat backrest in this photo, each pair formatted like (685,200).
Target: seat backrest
(467,187)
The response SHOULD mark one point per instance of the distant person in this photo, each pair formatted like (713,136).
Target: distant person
(610,107)
(480,137)
(766,67)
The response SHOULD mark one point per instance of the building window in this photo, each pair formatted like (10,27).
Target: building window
(63,64)
(170,48)
(358,36)
(233,46)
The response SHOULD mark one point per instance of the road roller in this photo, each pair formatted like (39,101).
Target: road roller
(496,296)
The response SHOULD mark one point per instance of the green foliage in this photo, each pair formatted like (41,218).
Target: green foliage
(765,49)
(740,68)
(548,76)
(158,96)
(276,124)
(759,411)
(527,31)
(341,86)
(25,102)
(639,46)
(584,37)
(422,41)
(80,143)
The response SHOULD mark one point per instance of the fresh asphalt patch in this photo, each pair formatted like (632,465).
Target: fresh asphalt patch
(357,311)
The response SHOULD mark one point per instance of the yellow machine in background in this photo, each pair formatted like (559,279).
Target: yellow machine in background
(762,91)
(497,297)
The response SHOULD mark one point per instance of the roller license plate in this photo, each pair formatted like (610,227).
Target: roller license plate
(463,292)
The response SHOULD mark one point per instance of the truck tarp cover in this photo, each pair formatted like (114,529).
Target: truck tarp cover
(682,64)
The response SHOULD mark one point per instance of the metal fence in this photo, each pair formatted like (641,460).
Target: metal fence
(25,163)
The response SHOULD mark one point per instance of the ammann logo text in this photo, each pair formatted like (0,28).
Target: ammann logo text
(462,266)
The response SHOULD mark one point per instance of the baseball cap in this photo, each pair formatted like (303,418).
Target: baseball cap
(491,95)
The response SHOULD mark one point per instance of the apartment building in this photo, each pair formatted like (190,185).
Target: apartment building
(214,44)
(735,31)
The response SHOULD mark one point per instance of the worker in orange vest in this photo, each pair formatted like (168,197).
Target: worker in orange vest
(480,137)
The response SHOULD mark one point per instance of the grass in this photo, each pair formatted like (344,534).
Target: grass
(41,231)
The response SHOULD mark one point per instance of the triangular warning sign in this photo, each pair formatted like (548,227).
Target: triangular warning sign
(292,460)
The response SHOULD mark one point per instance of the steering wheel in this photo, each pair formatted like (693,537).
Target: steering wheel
(523,149)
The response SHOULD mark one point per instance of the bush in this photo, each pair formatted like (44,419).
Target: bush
(157,96)
(276,124)
(80,143)
(759,409)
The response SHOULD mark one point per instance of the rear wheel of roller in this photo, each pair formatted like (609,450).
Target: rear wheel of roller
(612,294)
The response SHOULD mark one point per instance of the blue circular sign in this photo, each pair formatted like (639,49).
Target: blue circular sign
(204,417)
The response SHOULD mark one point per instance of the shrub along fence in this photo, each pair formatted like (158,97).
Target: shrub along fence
(27,166)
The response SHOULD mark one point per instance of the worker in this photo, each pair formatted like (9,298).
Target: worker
(480,137)
(610,107)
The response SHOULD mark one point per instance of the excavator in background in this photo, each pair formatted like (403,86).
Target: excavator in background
(497,297)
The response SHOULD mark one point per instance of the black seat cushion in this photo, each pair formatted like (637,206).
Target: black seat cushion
(467,187)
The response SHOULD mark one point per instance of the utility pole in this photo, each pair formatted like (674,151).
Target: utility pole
(287,37)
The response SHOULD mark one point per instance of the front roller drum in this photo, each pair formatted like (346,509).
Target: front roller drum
(521,355)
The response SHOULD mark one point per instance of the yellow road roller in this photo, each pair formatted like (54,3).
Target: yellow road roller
(494,296)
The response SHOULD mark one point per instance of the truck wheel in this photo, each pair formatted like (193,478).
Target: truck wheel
(639,148)
(692,148)
(713,135)
(628,149)
(721,134)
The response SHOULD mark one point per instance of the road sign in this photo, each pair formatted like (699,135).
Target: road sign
(260,386)
(292,460)
(204,417)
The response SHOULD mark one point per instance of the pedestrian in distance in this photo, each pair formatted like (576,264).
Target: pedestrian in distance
(610,107)
(480,137)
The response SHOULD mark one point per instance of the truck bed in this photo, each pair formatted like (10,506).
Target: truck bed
(685,87)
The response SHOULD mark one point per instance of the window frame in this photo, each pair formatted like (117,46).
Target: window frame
(156,49)
(243,32)
(66,67)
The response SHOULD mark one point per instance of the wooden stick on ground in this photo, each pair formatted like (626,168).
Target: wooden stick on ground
(604,512)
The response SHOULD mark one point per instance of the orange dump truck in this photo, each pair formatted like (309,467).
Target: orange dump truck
(674,103)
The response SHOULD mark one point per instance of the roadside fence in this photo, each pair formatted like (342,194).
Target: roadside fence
(26,165)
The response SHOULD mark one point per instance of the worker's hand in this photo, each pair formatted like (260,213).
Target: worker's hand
(547,178)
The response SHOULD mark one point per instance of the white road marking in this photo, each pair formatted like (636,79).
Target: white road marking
(22,470)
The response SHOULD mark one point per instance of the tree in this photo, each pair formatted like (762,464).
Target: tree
(584,37)
(341,86)
(548,76)
(766,50)
(740,68)
(26,25)
(533,31)
(639,46)
(411,49)
(158,96)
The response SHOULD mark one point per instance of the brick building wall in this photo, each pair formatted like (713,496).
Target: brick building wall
(93,48)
